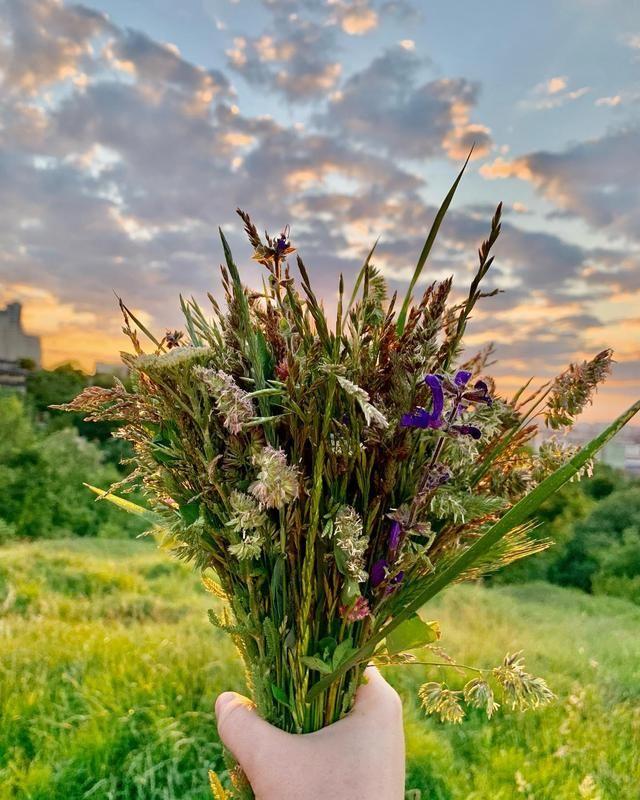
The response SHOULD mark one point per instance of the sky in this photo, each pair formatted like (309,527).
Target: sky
(131,129)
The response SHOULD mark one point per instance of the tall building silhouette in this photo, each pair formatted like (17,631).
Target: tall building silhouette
(15,344)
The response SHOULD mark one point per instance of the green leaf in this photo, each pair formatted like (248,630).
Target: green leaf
(190,512)
(413,633)
(327,646)
(279,695)
(341,559)
(402,316)
(126,505)
(511,520)
(342,652)
(313,662)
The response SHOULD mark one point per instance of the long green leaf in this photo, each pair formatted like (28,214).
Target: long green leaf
(356,286)
(126,505)
(142,327)
(402,316)
(514,517)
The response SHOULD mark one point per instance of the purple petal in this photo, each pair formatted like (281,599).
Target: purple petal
(394,583)
(461,377)
(420,418)
(378,572)
(437,395)
(394,536)
(479,394)
(467,430)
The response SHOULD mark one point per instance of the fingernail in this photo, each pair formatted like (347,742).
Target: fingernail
(222,702)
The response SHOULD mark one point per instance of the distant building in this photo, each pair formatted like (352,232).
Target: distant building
(621,452)
(15,344)
(16,348)
(12,376)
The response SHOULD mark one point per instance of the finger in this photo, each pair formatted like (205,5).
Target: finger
(238,723)
(376,696)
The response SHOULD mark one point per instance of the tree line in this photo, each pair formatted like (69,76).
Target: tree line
(46,455)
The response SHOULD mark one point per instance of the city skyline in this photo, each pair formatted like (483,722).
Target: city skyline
(129,131)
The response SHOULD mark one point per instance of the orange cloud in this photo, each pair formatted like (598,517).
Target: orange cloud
(501,168)
(357,22)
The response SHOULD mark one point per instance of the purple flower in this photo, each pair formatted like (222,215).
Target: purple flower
(479,394)
(438,474)
(462,377)
(461,396)
(466,430)
(378,572)
(421,418)
(282,242)
(394,583)
(394,536)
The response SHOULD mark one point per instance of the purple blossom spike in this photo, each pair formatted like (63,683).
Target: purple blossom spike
(378,572)
(421,418)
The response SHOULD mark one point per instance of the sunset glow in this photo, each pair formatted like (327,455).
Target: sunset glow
(128,134)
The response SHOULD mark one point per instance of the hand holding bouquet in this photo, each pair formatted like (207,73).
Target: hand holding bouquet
(329,477)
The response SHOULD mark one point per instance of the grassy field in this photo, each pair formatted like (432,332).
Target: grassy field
(109,670)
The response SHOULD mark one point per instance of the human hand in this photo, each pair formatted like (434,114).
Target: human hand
(357,758)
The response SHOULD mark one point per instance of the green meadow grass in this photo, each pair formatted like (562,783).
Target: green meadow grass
(109,670)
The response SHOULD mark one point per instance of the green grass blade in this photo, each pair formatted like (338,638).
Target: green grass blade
(402,316)
(196,341)
(358,282)
(515,516)
(126,310)
(125,505)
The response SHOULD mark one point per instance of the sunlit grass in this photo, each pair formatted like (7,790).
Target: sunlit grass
(109,670)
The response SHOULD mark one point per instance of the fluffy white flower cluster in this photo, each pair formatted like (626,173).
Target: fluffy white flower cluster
(231,401)
(352,543)
(277,481)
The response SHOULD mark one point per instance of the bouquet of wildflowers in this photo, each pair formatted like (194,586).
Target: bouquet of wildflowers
(329,477)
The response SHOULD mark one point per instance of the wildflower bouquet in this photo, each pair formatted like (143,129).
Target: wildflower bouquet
(330,477)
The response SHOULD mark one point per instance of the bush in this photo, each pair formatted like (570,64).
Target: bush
(603,554)
(41,477)
(51,387)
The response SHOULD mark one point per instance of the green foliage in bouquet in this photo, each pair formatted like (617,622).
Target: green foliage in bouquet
(328,477)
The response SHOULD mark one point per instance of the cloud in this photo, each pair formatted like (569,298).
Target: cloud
(595,179)
(632,40)
(161,67)
(613,100)
(292,57)
(119,156)
(552,93)
(49,43)
(357,17)
(553,85)
(385,105)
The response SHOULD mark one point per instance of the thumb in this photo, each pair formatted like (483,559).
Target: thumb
(244,732)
